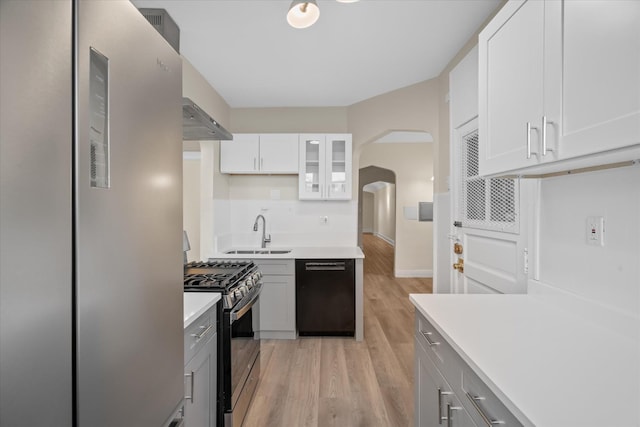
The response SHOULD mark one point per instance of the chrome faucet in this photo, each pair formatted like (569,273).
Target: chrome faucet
(265,239)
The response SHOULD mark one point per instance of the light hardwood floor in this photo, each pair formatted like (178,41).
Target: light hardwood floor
(321,382)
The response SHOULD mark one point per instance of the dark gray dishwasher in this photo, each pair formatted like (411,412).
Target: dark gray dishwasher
(325,297)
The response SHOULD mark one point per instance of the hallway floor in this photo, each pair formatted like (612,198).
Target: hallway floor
(321,382)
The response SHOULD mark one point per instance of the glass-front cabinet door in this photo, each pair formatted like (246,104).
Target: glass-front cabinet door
(312,167)
(325,167)
(338,167)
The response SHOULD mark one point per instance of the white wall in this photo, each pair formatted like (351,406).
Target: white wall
(384,213)
(291,223)
(191,202)
(367,212)
(610,274)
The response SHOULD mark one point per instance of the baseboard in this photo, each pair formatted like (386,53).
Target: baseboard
(385,238)
(367,230)
(276,335)
(414,273)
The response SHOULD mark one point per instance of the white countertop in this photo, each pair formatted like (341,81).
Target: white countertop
(338,252)
(197,303)
(548,366)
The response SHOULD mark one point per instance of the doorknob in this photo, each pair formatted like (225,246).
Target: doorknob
(457,248)
(459,265)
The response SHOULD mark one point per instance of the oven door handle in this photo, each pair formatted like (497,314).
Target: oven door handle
(236,314)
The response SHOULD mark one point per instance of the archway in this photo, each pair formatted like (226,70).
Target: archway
(373,177)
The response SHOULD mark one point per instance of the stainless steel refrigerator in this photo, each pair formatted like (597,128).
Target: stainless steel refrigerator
(90,217)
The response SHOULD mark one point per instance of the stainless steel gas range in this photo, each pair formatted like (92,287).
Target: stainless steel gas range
(239,352)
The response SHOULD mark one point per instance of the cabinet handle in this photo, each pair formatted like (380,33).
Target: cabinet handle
(261,163)
(199,336)
(440,394)
(488,421)
(529,127)
(450,410)
(426,337)
(254,163)
(545,122)
(190,375)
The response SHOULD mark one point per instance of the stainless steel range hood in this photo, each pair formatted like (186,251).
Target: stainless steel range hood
(199,126)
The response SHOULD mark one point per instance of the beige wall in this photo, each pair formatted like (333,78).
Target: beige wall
(413,166)
(196,87)
(368,208)
(191,205)
(384,216)
(412,108)
(289,120)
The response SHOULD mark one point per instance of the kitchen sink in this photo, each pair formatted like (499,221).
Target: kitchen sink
(259,252)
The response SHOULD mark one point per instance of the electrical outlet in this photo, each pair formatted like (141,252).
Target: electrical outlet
(595,230)
(324,220)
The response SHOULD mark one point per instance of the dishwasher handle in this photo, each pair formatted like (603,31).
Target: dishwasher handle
(325,266)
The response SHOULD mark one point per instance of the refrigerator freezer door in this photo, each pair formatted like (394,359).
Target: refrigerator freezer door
(129,228)
(35,213)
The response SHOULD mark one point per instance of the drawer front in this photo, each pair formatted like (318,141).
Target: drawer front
(483,406)
(439,350)
(281,267)
(436,401)
(199,333)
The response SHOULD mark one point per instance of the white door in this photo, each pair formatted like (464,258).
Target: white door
(489,218)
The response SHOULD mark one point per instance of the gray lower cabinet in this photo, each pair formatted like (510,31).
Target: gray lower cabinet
(200,378)
(448,393)
(436,402)
(276,308)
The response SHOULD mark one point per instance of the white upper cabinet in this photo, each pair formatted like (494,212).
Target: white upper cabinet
(325,167)
(260,154)
(558,82)
(240,155)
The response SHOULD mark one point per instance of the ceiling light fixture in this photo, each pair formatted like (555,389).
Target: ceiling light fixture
(303,14)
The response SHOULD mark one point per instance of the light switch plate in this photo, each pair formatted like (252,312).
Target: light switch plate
(595,230)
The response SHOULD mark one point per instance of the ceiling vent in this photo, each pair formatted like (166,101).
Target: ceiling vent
(166,26)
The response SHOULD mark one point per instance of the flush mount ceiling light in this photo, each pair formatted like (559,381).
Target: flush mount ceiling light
(303,14)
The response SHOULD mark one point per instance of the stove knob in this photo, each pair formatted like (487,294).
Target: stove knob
(249,282)
(238,293)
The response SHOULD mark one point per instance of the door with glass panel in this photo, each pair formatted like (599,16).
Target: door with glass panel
(338,167)
(312,167)
(325,167)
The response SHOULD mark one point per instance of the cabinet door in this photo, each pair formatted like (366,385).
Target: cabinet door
(201,387)
(511,86)
(600,72)
(279,153)
(277,304)
(241,154)
(311,178)
(338,167)
(435,401)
